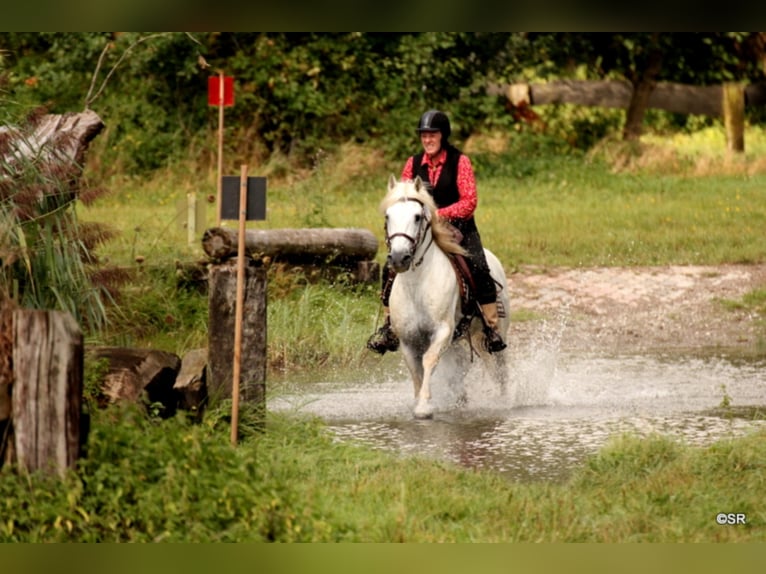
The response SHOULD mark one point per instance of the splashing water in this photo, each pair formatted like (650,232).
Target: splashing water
(557,408)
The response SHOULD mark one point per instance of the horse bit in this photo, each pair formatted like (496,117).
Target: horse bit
(416,241)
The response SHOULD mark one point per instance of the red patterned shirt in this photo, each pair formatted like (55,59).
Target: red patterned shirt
(464,207)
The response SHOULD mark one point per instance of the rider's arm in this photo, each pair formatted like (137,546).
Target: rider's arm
(464,207)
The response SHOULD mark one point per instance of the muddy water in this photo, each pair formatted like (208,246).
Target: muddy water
(557,409)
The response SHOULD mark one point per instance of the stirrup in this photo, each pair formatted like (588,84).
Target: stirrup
(384,339)
(462,327)
(493,342)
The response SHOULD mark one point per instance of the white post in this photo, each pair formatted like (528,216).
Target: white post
(191,217)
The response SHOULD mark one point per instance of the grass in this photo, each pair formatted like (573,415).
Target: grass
(146,479)
(537,205)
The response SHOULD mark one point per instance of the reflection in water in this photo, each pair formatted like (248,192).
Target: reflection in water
(557,410)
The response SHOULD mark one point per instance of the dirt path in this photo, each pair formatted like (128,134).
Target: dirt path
(637,309)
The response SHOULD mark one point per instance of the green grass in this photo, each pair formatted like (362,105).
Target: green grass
(147,480)
(537,205)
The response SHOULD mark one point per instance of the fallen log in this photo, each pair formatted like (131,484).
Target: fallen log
(135,374)
(669,96)
(328,244)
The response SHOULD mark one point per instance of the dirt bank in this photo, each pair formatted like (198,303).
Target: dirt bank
(637,309)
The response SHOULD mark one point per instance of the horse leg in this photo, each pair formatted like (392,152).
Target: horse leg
(500,372)
(415,366)
(439,342)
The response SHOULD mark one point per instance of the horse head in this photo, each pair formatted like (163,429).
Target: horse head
(409,210)
(412,221)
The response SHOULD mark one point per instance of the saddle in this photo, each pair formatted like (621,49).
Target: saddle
(469,306)
(466,284)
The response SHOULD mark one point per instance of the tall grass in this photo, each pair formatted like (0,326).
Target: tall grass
(321,326)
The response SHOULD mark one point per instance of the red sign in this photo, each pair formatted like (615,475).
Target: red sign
(214,91)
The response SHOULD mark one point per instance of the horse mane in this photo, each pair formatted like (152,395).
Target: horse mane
(408,189)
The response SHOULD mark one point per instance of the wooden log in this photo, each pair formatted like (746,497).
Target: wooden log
(669,96)
(327,243)
(191,383)
(54,142)
(135,374)
(6,378)
(221,315)
(47,390)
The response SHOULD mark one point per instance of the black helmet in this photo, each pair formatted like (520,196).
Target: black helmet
(435,121)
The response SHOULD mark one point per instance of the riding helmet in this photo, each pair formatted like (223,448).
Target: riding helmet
(435,121)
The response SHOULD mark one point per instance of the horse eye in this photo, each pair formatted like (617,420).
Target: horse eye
(417,218)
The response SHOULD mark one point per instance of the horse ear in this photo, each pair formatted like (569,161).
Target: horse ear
(418,183)
(391,182)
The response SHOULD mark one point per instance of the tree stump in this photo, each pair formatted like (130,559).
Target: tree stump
(46,396)
(221,318)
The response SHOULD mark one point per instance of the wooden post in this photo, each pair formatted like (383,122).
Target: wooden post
(47,390)
(220,149)
(222,281)
(241,255)
(734,116)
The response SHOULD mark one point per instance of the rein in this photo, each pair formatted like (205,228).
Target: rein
(418,239)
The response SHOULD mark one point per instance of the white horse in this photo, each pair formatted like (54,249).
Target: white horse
(425,301)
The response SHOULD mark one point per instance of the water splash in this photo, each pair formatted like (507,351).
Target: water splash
(558,408)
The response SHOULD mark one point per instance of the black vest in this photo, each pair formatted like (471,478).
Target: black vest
(445,191)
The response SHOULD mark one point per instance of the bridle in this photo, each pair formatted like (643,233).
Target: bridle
(418,239)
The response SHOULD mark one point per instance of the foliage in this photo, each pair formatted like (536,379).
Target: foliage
(694,58)
(299,93)
(44,253)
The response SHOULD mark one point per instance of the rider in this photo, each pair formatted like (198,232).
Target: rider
(452,184)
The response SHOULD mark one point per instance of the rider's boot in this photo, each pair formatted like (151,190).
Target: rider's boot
(384,339)
(492,338)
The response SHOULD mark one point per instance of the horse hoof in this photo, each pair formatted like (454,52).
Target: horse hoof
(423,413)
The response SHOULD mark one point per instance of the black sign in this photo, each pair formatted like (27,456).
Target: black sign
(256,198)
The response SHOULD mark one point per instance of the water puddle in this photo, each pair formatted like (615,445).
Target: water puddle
(557,410)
